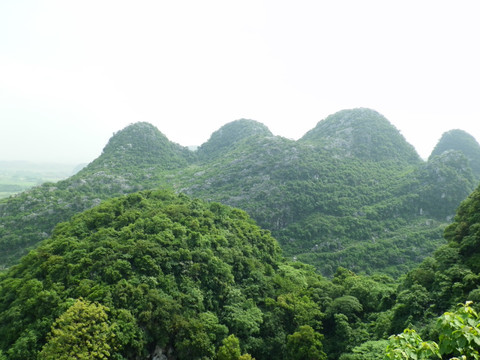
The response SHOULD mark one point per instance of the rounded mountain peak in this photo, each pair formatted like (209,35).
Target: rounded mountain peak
(363,133)
(461,141)
(232,133)
(142,143)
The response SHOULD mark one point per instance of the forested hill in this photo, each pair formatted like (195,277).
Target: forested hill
(428,295)
(154,273)
(351,192)
(459,140)
(151,271)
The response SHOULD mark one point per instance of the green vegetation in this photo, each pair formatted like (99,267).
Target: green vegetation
(451,276)
(229,135)
(425,302)
(136,158)
(81,332)
(459,336)
(352,192)
(157,272)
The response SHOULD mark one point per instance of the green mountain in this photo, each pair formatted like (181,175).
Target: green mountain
(441,180)
(461,141)
(333,198)
(153,273)
(352,192)
(440,298)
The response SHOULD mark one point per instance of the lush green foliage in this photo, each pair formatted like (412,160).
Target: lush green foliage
(329,204)
(82,332)
(451,276)
(155,270)
(459,336)
(362,133)
(305,344)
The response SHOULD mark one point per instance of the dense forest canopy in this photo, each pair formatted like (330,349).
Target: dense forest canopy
(154,270)
(156,273)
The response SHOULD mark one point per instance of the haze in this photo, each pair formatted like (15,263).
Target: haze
(72,73)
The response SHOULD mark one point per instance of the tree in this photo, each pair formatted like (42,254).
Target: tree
(81,332)
(460,332)
(305,344)
(230,349)
(459,336)
(409,345)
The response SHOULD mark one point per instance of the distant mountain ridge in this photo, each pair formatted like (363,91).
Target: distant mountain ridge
(351,192)
(459,140)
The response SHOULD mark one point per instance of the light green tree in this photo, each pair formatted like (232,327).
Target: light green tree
(230,350)
(459,336)
(81,332)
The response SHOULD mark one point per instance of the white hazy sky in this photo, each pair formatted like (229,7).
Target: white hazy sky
(74,72)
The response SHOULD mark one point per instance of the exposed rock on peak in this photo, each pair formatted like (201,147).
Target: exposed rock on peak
(363,133)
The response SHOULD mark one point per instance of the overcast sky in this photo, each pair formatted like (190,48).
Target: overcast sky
(74,72)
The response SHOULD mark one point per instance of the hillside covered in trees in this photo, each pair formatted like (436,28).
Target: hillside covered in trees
(351,192)
(156,274)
